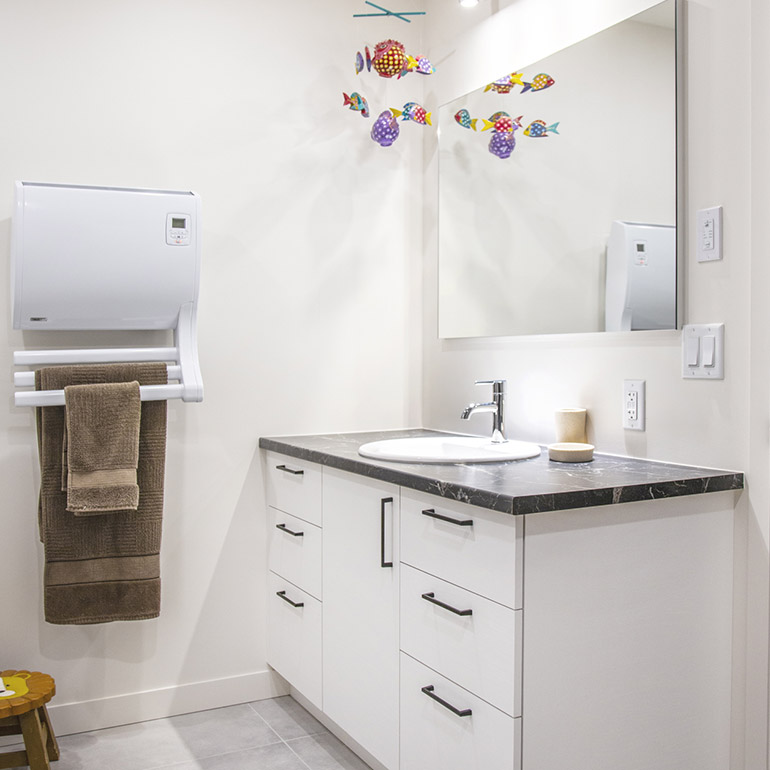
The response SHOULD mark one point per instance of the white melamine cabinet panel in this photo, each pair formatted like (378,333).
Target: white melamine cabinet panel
(481,651)
(435,738)
(627,636)
(360,629)
(484,557)
(295,550)
(293,486)
(294,637)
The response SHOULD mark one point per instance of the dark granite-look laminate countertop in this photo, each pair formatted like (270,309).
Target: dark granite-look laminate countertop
(518,486)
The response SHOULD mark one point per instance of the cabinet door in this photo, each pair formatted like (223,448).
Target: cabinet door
(360,620)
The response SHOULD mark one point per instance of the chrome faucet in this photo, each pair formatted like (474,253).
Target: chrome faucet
(496,406)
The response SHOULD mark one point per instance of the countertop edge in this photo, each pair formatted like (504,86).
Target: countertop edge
(713,480)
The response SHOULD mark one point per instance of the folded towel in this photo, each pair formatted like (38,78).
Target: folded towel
(101,568)
(102,447)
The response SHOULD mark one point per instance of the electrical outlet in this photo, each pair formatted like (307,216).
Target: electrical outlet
(633,404)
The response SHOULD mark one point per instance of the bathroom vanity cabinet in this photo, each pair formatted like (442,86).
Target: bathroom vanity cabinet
(445,617)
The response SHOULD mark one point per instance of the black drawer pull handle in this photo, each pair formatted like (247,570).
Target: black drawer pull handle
(283,596)
(289,470)
(383,502)
(428,690)
(431,598)
(433,515)
(284,528)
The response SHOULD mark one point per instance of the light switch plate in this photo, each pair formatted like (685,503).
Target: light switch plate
(709,234)
(703,351)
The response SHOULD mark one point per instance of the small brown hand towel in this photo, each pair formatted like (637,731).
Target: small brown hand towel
(102,447)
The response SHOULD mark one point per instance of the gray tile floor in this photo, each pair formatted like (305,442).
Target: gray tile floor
(275,734)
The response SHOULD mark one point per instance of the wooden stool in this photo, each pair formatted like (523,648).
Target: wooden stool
(24,713)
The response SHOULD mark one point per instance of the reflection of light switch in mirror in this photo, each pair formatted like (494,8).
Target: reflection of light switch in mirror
(709,237)
(703,348)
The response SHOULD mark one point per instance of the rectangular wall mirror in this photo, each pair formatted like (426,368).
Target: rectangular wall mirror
(568,222)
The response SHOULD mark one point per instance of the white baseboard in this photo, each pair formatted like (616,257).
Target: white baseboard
(115,710)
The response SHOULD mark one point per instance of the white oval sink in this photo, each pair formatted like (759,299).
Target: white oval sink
(448,449)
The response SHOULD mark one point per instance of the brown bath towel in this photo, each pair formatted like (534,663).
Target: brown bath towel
(102,568)
(102,447)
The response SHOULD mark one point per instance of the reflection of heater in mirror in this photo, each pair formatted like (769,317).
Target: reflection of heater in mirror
(640,288)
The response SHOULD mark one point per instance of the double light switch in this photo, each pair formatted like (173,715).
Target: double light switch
(703,348)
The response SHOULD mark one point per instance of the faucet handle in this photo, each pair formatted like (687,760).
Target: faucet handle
(494,383)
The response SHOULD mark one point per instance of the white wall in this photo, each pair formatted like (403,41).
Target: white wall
(722,424)
(309,309)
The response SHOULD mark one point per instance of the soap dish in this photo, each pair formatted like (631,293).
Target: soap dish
(569,452)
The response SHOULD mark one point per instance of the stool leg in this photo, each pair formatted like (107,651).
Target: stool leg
(33,740)
(52,745)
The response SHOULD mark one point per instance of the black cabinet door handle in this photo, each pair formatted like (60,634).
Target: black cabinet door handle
(283,596)
(289,470)
(284,528)
(428,690)
(460,522)
(383,503)
(431,598)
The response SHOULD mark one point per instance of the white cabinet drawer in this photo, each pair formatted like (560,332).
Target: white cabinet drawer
(294,486)
(476,548)
(480,651)
(435,738)
(294,551)
(294,637)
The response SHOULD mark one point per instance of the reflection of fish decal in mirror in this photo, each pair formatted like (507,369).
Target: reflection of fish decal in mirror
(504,84)
(463,117)
(502,122)
(539,83)
(492,119)
(538,128)
(503,142)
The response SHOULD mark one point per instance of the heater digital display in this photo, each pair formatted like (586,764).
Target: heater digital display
(177,230)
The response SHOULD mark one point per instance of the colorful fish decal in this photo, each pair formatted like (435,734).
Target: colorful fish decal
(389,58)
(385,130)
(359,62)
(413,111)
(504,84)
(502,122)
(538,128)
(463,117)
(356,102)
(539,83)
(368,59)
(419,64)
